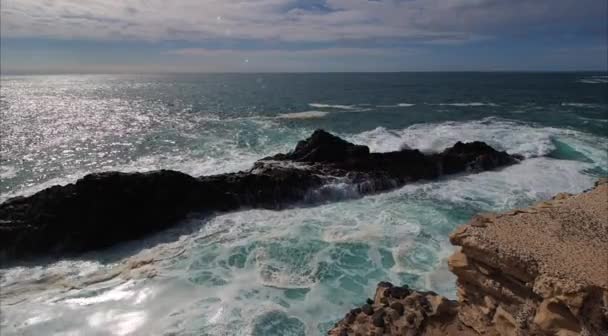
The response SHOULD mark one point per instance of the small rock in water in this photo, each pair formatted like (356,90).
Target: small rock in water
(369,301)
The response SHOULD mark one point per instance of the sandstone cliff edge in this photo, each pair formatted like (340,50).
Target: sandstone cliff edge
(542,270)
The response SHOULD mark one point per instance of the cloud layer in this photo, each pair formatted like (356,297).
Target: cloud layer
(308,21)
(302,35)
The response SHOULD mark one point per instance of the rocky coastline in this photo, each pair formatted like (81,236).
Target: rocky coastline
(103,209)
(542,270)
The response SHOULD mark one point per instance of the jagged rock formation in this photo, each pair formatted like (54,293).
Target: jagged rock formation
(537,271)
(398,310)
(105,208)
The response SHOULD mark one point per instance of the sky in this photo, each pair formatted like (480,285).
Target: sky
(108,36)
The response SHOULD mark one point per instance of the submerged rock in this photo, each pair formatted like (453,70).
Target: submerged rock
(536,271)
(102,209)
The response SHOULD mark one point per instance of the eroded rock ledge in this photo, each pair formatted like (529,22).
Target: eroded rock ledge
(105,208)
(536,271)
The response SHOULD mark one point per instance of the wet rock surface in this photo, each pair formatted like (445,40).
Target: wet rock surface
(102,209)
(536,271)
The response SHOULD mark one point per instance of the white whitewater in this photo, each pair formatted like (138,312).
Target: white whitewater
(291,272)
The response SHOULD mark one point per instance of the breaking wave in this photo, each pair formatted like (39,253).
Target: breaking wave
(340,107)
(594,80)
(303,115)
(262,272)
(472,104)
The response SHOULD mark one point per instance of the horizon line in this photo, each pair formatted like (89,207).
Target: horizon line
(27,72)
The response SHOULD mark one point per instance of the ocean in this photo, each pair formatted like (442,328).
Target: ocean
(289,272)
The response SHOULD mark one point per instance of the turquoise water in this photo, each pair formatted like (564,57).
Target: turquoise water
(290,272)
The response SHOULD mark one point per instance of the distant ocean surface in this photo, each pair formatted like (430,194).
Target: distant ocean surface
(290,272)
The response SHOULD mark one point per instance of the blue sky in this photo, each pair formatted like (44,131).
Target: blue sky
(302,35)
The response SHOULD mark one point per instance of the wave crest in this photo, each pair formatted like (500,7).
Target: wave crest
(303,115)
(340,107)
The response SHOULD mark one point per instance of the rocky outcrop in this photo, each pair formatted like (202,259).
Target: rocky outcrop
(398,310)
(105,208)
(537,271)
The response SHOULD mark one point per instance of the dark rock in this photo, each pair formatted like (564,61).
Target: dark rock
(399,292)
(105,208)
(398,307)
(369,301)
(97,211)
(378,319)
(472,157)
(367,309)
(323,147)
(350,318)
(102,209)
(385,284)
(425,304)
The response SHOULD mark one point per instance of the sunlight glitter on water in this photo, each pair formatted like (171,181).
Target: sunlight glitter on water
(253,272)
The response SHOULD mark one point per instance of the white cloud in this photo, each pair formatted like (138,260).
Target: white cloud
(285,20)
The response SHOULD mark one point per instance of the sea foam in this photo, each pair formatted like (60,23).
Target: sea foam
(334,106)
(471,104)
(303,115)
(293,271)
(594,80)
